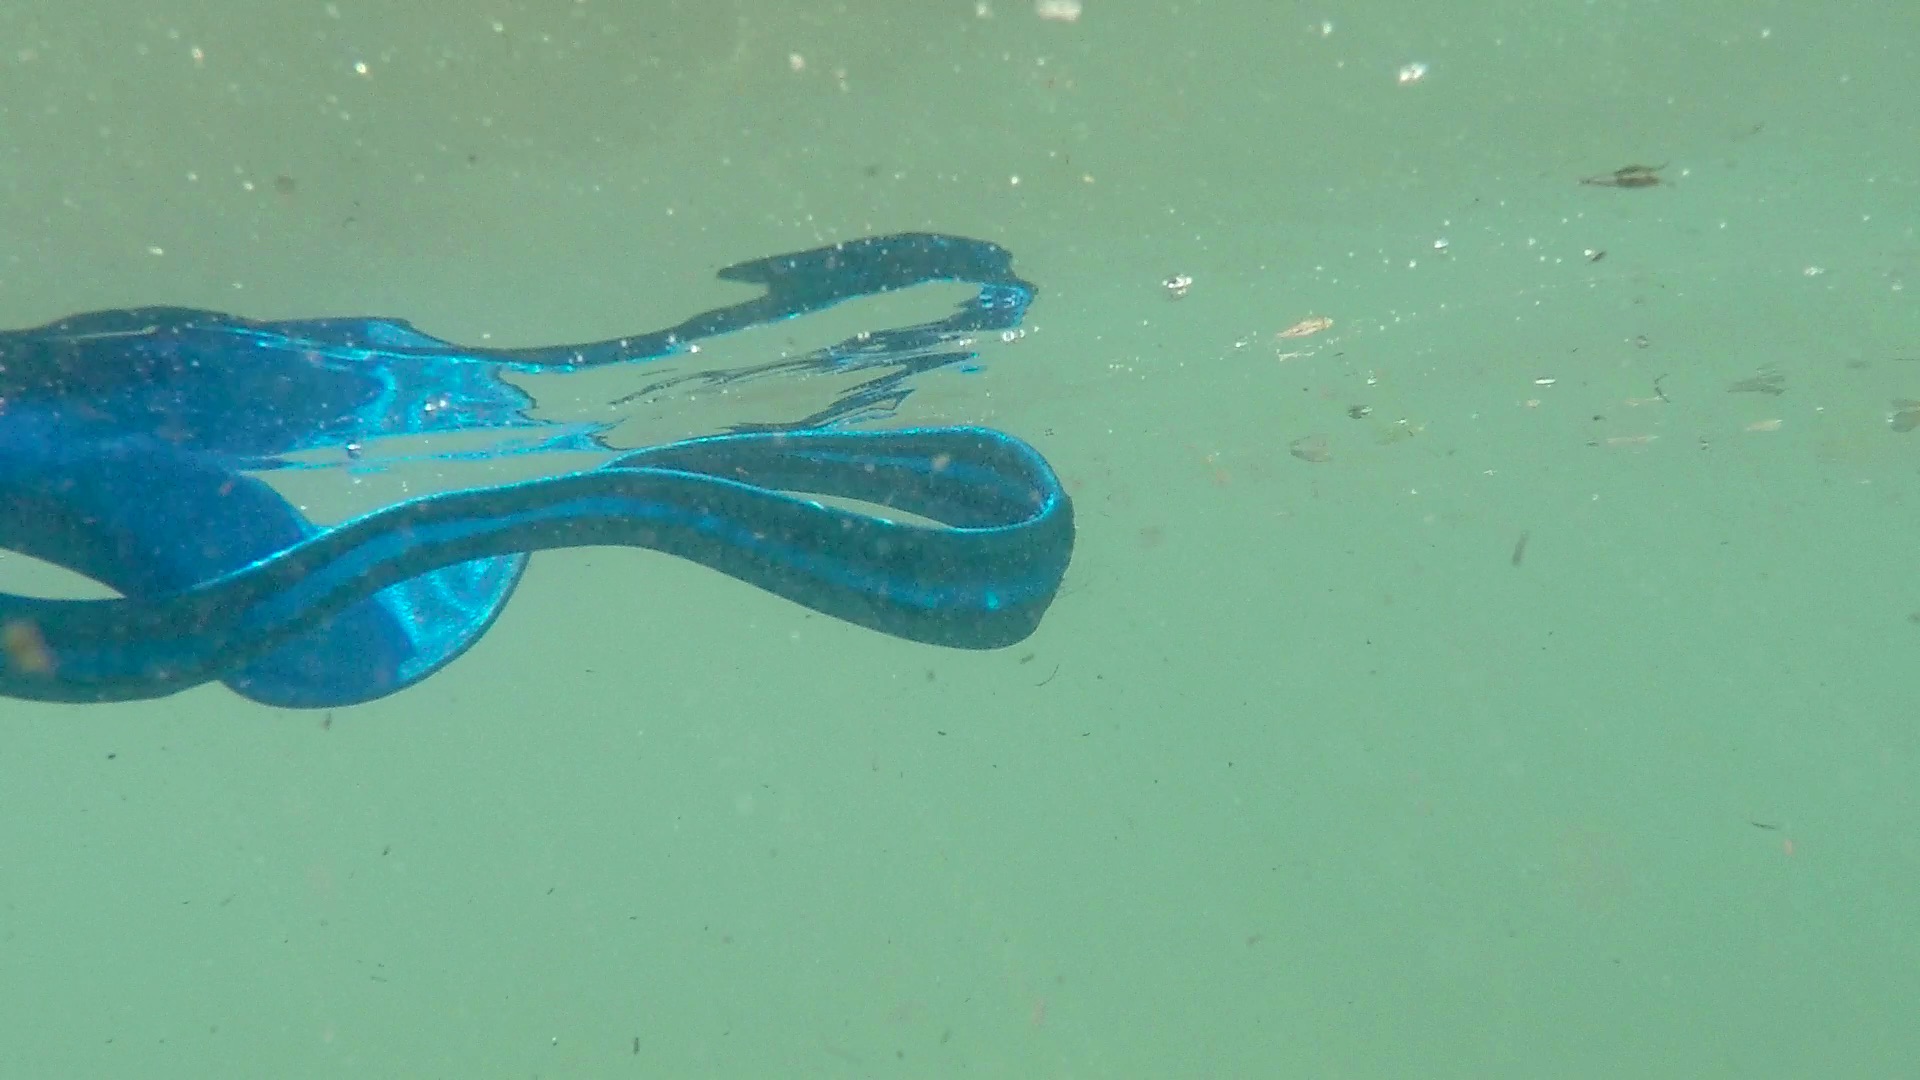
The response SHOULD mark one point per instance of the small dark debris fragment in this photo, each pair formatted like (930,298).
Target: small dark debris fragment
(1311,448)
(1767,382)
(1627,176)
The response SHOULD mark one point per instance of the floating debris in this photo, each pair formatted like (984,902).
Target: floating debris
(1306,327)
(1313,448)
(1767,382)
(1628,176)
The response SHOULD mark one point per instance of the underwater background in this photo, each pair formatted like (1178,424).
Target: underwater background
(1488,646)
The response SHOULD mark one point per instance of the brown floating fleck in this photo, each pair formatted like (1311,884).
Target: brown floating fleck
(1306,327)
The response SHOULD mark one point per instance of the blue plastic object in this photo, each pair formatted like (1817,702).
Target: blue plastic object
(133,442)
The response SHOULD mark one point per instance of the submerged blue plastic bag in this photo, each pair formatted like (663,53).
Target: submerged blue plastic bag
(132,445)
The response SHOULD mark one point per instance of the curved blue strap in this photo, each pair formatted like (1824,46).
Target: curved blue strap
(981,581)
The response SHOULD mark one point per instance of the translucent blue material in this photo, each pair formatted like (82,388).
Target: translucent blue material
(132,445)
